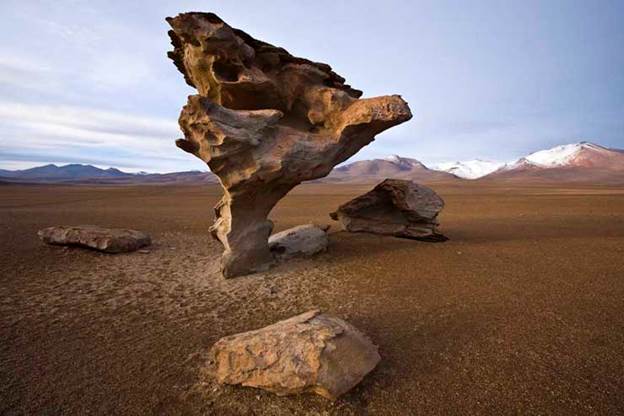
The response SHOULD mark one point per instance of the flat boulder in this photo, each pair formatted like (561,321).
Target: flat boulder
(303,240)
(312,352)
(396,207)
(108,240)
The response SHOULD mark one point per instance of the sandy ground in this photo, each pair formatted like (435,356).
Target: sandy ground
(521,312)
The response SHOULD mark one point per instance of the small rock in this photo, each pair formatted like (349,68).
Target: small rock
(303,240)
(311,352)
(108,240)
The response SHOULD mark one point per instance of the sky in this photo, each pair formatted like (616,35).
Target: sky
(90,82)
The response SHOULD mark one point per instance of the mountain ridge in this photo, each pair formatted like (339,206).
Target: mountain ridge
(575,162)
(81,173)
(393,166)
(470,169)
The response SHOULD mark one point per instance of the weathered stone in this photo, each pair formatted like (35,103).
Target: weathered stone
(264,121)
(303,240)
(311,352)
(108,240)
(394,207)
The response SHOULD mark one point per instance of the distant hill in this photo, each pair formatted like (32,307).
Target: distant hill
(76,173)
(577,162)
(53,172)
(394,166)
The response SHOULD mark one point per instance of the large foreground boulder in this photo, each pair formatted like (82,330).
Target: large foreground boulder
(301,241)
(264,121)
(395,207)
(108,240)
(311,352)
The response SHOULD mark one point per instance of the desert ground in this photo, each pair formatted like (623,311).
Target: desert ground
(520,312)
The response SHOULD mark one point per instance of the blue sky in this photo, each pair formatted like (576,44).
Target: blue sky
(89,81)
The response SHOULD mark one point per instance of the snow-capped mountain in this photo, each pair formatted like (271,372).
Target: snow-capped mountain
(470,169)
(575,154)
(576,162)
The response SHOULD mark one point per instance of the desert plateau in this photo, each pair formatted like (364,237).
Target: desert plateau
(518,313)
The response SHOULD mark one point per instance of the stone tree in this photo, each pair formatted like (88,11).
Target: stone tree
(264,121)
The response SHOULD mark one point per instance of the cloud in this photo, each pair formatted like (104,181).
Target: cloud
(21,72)
(69,134)
(87,118)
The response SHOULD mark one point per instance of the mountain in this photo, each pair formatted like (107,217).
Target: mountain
(67,172)
(76,173)
(470,169)
(192,177)
(576,162)
(367,171)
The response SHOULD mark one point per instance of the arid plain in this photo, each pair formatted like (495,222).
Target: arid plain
(520,312)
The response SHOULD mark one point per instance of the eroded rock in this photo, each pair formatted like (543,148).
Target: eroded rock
(264,121)
(311,352)
(301,241)
(108,240)
(395,207)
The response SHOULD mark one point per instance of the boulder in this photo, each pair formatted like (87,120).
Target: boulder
(303,240)
(264,121)
(395,207)
(311,352)
(108,240)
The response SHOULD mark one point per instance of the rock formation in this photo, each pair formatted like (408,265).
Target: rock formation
(303,240)
(311,352)
(108,240)
(394,207)
(264,121)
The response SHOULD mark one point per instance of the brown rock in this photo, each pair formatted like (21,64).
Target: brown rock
(311,352)
(264,121)
(108,240)
(394,207)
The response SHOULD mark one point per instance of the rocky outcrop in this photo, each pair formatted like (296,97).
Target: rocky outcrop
(108,240)
(301,241)
(394,207)
(264,121)
(311,352)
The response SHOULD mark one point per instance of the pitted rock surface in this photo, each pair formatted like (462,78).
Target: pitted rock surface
(264,121)
(311,352)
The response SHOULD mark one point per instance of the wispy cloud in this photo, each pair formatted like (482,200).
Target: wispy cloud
(68,134)
(25,73)
(87,118)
